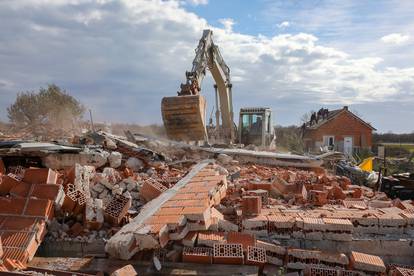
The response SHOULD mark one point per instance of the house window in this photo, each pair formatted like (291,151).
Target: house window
(329,140)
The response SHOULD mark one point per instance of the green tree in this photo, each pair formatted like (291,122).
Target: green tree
(48,110)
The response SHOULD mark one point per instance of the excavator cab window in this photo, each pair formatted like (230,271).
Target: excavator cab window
(256,126)
(245,120)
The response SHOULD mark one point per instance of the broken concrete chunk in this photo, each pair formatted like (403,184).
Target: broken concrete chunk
(98,187)
(224,159)
(127,195)
(94,216)
(115,159)
(58,161)
(82,176)
(109,177)
(134,163)
(108,143)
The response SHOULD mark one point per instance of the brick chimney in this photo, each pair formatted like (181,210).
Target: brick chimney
(346,107)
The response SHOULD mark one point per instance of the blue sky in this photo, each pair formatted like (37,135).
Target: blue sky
(120,57)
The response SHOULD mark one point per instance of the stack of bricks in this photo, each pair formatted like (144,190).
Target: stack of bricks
(192,202)
(367,263)
(116,209)
(23,215)
(219,248)
(338,225)
(176,213)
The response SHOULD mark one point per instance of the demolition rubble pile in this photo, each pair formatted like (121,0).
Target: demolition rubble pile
(180,206)
(86,197)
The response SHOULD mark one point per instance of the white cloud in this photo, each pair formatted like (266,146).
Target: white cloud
(395,38)
(197,2)
(283,25)
(121,57)
(227,24)
(88,17)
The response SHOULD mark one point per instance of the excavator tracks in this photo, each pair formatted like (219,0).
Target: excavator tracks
(184,117)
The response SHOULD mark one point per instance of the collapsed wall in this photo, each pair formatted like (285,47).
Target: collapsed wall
(170,216)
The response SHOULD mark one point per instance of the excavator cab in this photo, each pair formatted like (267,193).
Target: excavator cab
(255,127)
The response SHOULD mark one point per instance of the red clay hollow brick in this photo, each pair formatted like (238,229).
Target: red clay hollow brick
(40,176)
(116,209)
(12,206)
(151,189)
(262,193)
(228,253)
(7,182)
(252,205)
(39,208)
(244,239)
(201,255)
(255,256)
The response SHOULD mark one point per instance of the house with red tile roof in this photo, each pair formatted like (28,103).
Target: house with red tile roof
(339,130)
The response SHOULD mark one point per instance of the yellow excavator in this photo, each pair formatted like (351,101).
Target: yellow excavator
(184,115)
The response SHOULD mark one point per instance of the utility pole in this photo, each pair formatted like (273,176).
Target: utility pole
(92,126)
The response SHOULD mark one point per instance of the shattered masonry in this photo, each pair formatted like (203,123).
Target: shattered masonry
(185,208)
(198,206)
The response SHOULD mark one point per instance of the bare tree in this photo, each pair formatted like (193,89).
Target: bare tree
(306,117)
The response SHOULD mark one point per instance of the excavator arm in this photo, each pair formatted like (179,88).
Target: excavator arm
(184,115)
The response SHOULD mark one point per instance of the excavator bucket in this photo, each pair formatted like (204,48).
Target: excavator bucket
(184,117)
